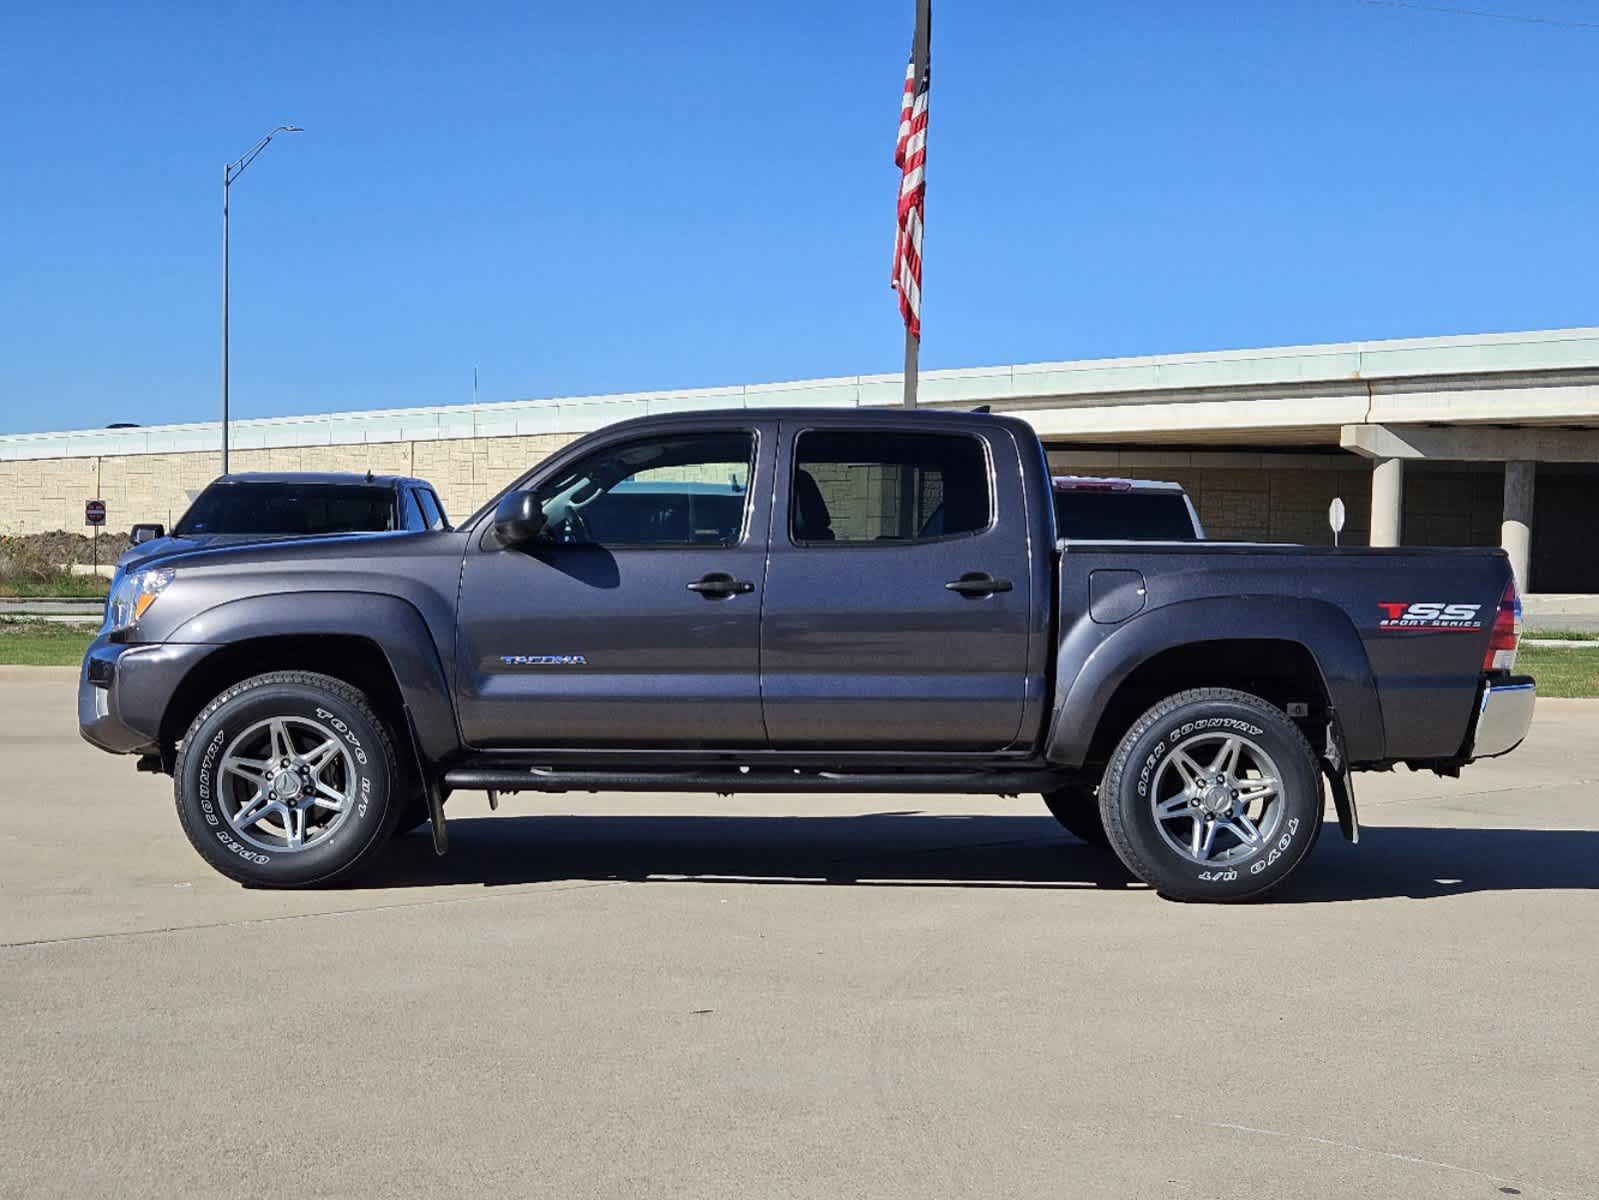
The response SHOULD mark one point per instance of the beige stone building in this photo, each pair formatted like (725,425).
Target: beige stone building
(1474,440)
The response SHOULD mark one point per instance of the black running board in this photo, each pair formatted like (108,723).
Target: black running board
(726,782)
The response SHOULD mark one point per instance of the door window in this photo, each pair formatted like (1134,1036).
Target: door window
(690,490)
(410,512)
(860,487)
(432,514)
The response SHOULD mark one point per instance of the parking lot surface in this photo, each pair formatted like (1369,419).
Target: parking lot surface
(797,996)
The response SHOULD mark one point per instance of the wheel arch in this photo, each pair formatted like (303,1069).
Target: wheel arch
(378,644)
(1283,650)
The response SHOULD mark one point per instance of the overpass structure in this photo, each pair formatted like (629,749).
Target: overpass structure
(1472,440)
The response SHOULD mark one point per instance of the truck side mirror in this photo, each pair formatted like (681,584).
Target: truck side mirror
(518,519)
(148,532)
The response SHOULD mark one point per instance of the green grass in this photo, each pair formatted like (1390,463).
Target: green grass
(1570,672)
(1560,635)
(43,643)
(62,586)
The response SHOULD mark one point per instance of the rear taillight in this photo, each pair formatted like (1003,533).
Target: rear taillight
(1501,654)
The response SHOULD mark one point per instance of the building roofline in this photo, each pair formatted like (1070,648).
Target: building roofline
(1118,380)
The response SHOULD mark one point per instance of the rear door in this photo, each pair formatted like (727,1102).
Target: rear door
(634,621)
(898,587)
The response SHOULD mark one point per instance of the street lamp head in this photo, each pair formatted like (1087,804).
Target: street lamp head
(230,172)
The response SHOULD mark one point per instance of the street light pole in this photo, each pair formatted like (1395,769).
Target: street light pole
(227,178)
(230,172)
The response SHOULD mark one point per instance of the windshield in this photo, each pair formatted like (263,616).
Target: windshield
(288,508)
(1123,516)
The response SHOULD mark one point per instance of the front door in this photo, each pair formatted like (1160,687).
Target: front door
(635,620)
(898,591)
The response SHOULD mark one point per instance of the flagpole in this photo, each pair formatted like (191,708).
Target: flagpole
(920,46)
(912,349)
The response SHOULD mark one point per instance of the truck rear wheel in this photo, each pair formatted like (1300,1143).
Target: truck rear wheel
(287,780)
(1213,794)
(1076,807)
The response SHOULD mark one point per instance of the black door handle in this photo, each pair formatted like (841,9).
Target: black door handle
(978,583)
(719,585)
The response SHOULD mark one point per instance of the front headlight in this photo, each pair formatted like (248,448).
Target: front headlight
(132,596)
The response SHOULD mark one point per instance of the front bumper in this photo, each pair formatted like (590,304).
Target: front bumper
(1504,714)
(124,690)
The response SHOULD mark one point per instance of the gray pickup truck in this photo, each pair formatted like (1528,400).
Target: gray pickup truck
(800,601)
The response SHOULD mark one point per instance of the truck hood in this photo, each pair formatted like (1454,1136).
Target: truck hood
(223,550)
(149,552)
(421,567)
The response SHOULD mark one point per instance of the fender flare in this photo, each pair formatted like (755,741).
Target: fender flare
(392,624)
(1091,665)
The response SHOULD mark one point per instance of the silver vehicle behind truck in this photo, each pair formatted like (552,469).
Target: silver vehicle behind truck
(1101,508)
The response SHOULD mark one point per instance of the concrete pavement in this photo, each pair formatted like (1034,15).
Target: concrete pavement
(790,996)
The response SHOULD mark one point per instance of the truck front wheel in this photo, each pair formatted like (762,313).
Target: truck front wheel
(1213,794)
(287,780)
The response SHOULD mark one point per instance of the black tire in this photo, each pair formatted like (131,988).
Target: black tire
(1076,806)
(1146,762)
(362,762)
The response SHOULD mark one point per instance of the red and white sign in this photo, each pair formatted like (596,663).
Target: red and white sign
(94,512)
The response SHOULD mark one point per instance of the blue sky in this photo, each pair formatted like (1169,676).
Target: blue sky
(585,198)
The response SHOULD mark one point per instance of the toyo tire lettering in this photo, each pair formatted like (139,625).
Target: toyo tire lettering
(288,779)
(1212,794)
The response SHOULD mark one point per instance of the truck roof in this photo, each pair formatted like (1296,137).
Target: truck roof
(834,416)
(843,415)
(333,478)
(744,418)
(1112,483)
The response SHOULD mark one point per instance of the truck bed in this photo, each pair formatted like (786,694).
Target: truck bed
(1424,675)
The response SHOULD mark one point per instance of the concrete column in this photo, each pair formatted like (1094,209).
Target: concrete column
(1387,501)
(1515,531)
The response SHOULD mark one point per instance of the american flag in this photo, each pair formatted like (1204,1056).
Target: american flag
(910,156)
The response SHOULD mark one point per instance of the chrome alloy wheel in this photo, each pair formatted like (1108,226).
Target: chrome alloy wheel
(286,784)
(1217,799)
